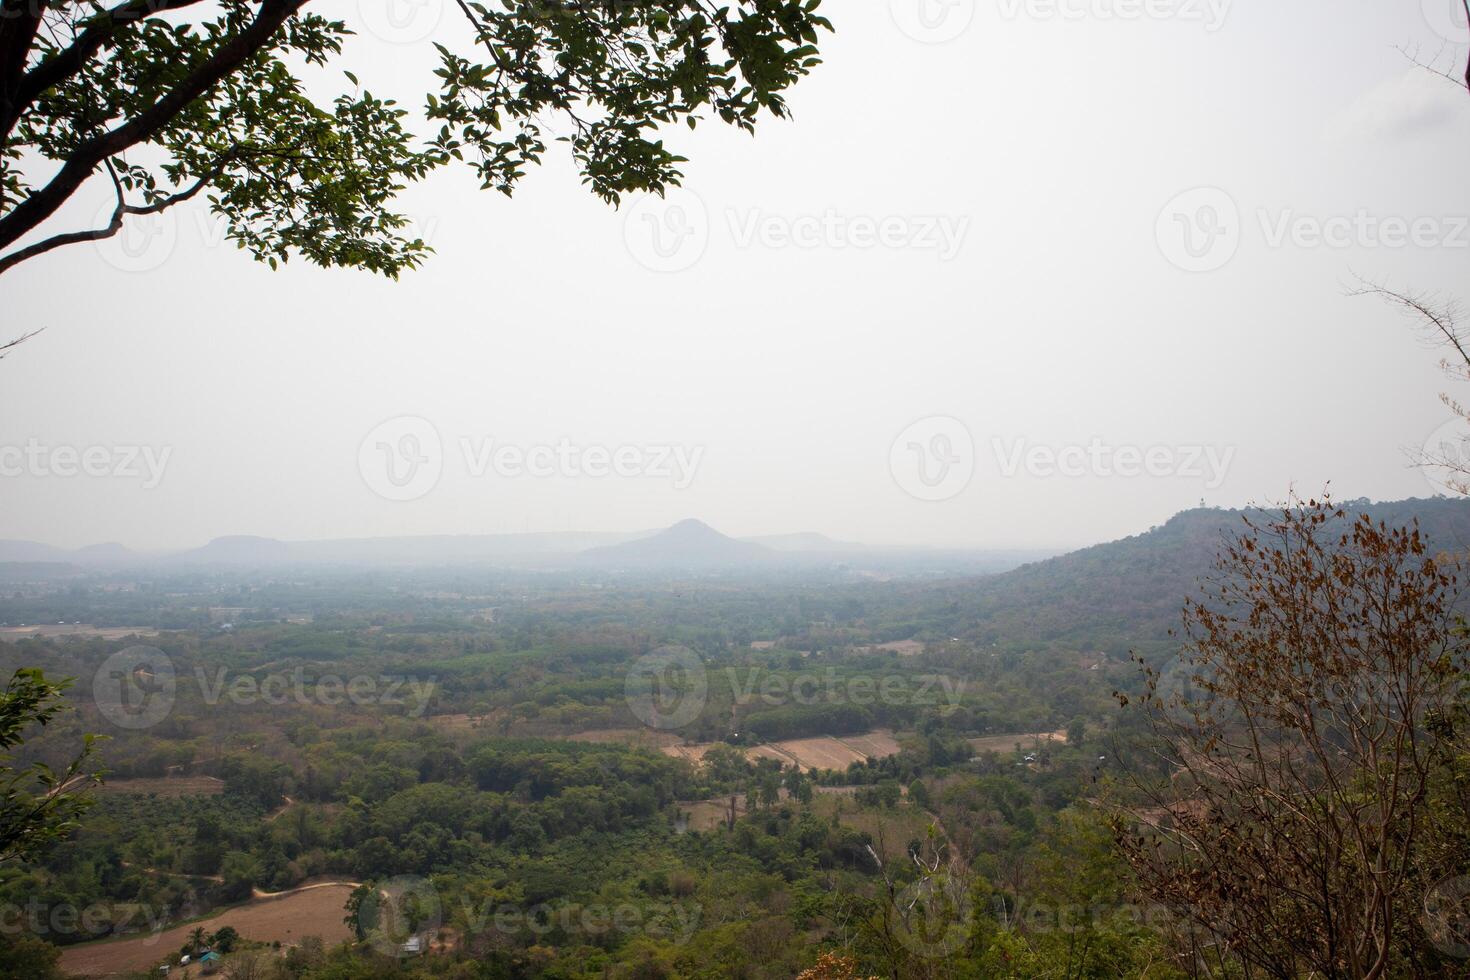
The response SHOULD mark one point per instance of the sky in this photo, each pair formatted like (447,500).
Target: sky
(1018,273)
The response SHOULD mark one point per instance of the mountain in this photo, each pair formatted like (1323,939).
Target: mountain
(1112,596)
(38,571)
(436,549)
(110,553)
(807,541)
(238,549)
(455,548)
(688,544)
(31,551)
(96,554)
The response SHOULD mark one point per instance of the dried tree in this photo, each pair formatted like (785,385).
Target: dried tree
(1285,823)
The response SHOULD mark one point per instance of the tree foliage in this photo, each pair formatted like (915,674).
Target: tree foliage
(38,805)
(174,98)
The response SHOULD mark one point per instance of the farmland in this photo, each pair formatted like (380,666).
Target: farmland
(808,753)
(314,910)
(166,786)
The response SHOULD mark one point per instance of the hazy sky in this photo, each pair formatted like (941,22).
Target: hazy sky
(996,232)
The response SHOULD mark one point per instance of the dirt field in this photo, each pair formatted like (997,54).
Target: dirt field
(772,751)
(1007,743)
(75,629)
(820,753)
(168,786)
(808,753)
(878,744)
(837,753)
(314,910)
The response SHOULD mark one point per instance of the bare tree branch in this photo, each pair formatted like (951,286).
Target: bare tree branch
(10,345)
(1442,321)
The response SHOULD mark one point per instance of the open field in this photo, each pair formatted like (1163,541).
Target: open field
(878,744)
(891,830)
(809,753)
(822,752)
(74,629)
(904,648)
(166,786)
(772,751)
(693,753)
(709,814)
(818,753)
(461,723)
(640,738)
(312,910)
(838,753)
(1007,743)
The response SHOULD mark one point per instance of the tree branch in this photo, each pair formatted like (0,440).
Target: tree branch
(1466,5)
(10,345)
(83,162)
(1443,320)
(64,64)
(116,223)
(19,22)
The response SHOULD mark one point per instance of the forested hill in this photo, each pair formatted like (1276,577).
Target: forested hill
(1127,594)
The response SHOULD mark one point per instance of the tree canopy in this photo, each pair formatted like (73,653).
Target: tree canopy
(170,99)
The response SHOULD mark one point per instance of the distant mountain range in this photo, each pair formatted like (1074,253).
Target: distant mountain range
(1128,587)
(690,544)
(254,550)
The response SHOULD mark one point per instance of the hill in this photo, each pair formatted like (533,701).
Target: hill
(805,542)
(1117,595)
(96,554)
(688,544)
